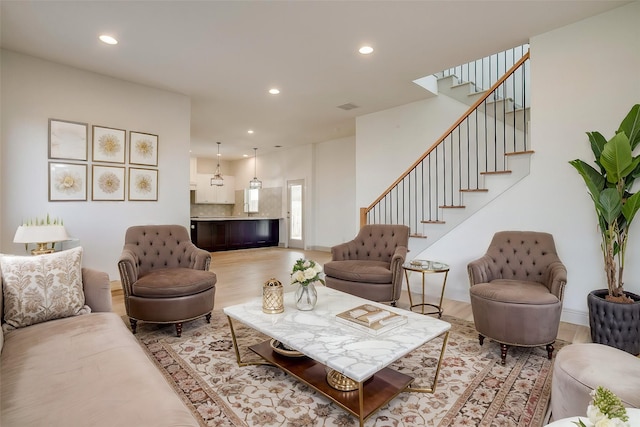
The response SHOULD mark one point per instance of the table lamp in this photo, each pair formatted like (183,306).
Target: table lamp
(41,235)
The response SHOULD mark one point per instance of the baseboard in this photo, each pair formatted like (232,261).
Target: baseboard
(574,316)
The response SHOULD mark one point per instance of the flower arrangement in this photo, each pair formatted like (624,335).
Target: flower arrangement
(306,271)
(606,410)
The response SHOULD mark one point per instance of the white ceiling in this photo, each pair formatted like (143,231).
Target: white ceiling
(225,55)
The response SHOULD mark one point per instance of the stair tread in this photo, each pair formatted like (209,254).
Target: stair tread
(474,190)
(495,173)
(430,221)
(452,206)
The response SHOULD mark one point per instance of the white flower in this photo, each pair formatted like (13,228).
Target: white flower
(298,276)
(594,414)
(309,273)
(306,264)
(317,268)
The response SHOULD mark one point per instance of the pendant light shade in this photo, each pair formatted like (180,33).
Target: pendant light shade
(217,177)
(255,183)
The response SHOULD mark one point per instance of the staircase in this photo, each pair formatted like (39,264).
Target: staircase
(482,155)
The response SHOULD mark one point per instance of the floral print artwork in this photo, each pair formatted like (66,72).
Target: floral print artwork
(67,181)
(109,145)
(143,184)
(109,182)
(143,149)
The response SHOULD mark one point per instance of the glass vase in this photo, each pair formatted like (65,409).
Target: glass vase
(306,297)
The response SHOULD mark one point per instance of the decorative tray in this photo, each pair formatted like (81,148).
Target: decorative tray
(282,349)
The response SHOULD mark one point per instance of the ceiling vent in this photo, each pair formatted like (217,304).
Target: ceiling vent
(348,106)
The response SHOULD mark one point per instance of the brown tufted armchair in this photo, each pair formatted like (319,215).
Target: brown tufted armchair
(370,266)
(517,289)
(165,277)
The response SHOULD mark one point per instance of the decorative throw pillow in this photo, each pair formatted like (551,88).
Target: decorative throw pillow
(42,287)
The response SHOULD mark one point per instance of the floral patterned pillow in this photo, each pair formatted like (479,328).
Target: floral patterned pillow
(43,287)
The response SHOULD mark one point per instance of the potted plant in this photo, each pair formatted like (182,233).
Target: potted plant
(610,187)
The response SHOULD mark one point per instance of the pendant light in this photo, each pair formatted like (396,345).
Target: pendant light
(255,183)
(217,177)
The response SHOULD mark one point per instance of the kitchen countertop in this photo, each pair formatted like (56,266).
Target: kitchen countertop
(228,218)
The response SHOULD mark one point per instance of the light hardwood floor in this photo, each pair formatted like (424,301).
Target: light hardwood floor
(241,274)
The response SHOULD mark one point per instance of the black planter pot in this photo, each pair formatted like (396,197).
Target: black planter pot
(615,324)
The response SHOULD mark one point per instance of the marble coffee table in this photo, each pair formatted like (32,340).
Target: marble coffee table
(336,348)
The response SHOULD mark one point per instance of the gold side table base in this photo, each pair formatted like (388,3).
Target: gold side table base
(340,382)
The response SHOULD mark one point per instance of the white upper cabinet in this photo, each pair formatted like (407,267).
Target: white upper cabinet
(212,194)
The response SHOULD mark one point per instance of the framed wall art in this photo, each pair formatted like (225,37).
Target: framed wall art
(67,182)
(108,144)
(143,184)
(67,140)
(143,149)
(108,183)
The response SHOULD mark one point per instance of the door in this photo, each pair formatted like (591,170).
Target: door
(295,220)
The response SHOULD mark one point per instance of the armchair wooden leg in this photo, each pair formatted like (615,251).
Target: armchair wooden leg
(208,317)
(179,329)
(481,339)
(550,350)
(503,354)
(134,325)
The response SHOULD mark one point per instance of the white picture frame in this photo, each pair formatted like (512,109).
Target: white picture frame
(67,140)
(67,182)
(143,149)
(109,144)
(143,184)
(108,183)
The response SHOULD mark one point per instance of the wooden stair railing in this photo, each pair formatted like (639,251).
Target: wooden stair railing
(410,191)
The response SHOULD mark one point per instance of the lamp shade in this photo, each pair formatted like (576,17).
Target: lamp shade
(41,234)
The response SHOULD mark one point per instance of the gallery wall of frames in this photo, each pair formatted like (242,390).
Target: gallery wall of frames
(114,164)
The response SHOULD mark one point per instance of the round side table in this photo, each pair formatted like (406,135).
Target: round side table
(425,267)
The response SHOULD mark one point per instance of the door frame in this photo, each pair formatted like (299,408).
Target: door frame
(295,243)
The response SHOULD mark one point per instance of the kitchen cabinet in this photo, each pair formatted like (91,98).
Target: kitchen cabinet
(222,235)
(212,194)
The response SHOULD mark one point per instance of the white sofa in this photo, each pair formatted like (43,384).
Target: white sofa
(85,370)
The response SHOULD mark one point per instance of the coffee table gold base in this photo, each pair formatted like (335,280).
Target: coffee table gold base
(340,382)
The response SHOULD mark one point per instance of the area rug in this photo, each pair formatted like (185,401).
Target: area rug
(473,389)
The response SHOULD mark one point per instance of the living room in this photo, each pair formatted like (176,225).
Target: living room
(583,79)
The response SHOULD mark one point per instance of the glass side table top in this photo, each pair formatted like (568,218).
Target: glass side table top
(425,265)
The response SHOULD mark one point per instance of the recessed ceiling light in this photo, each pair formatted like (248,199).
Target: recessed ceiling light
(108,39)
(365,50)
(274,91)
(245,155)
(249,131)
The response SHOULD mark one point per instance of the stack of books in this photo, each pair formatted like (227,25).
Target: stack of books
(371,319)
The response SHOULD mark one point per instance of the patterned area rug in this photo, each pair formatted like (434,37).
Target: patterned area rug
(474,389)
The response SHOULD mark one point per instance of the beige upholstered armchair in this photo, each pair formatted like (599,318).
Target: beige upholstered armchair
(370,266)
(165,277)
(517,289)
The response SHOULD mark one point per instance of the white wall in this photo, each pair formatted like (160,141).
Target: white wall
(334,192)
(584,77)
(35,90)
